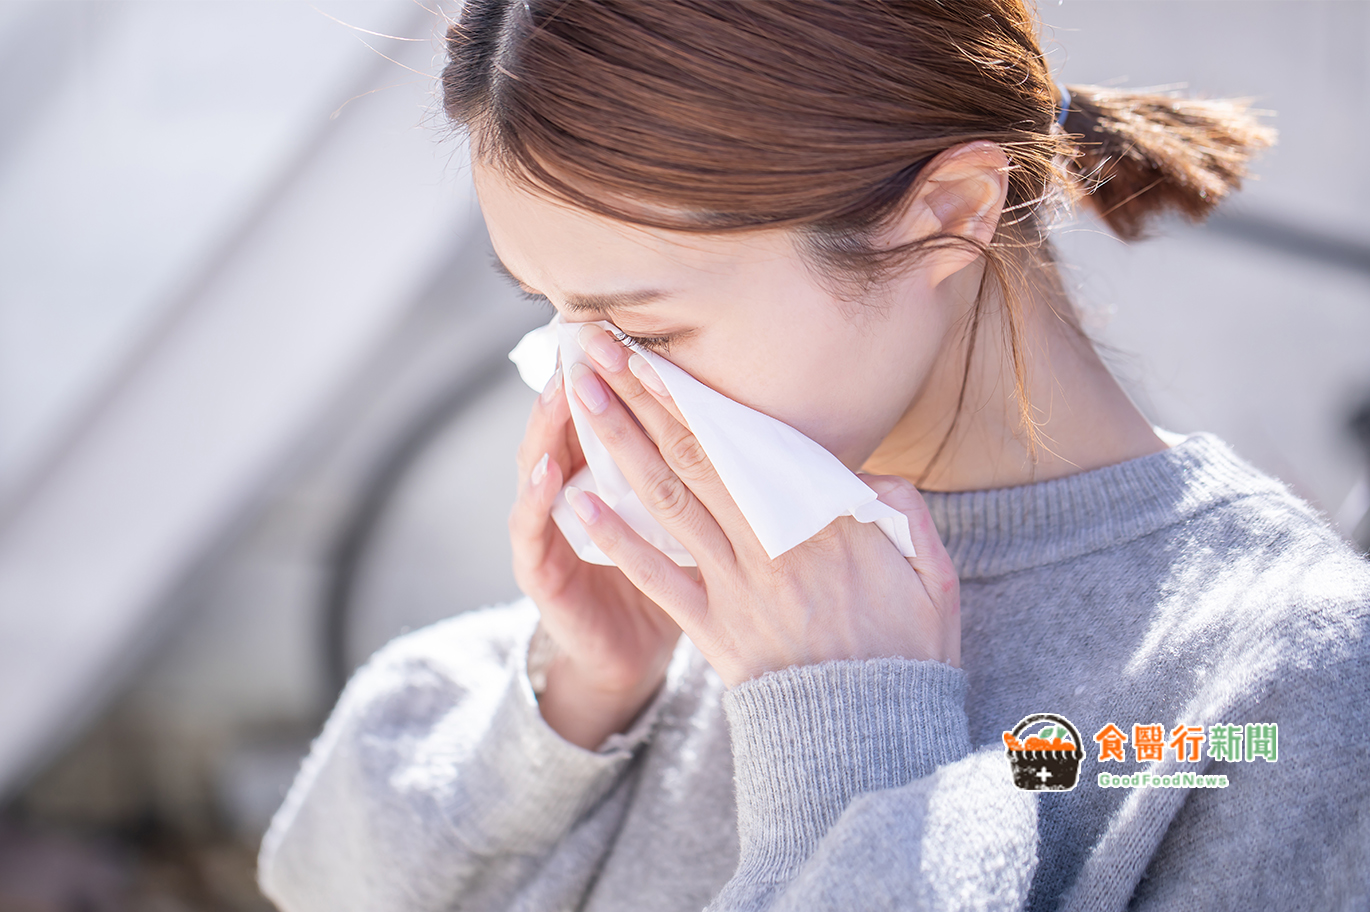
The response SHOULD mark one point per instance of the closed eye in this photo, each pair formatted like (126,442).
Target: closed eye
(651,343)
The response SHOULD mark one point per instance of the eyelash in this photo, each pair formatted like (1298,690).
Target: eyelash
(651,343)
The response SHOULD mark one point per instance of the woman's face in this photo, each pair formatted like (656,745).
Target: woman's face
(742,312)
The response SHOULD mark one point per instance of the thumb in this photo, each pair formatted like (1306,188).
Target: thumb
(933,563)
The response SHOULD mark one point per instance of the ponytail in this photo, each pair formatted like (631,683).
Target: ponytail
(1142,153)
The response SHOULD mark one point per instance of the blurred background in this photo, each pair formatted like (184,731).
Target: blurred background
(256,414)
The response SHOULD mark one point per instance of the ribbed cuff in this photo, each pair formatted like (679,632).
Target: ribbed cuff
(529,785)
(808,738)
(617,743)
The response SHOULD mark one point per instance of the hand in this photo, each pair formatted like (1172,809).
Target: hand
(613,642)
(846,593)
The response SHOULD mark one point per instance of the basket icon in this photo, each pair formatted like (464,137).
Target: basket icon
(1045,764)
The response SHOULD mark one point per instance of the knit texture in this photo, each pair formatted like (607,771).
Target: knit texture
(1183,589)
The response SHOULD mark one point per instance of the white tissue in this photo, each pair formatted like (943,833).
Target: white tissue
(787,486)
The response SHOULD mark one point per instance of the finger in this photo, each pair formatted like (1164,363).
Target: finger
(651,382)
(540,459)
(612,360)
(654,574)
(678,446)
(532,532)
(553,400)
(545,427)
(932,562)
(658,487)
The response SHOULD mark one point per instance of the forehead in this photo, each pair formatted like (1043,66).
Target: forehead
(553,245)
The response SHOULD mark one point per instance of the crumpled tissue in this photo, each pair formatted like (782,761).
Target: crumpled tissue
(786,485)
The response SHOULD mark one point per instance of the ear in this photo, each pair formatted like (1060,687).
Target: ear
(960,192)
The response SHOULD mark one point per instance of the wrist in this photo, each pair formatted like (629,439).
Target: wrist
(584,713)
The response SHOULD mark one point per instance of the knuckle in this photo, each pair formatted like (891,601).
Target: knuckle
(646,576)
(668,497)
(687,454)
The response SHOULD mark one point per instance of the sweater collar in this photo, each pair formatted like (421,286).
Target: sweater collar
(1003,530)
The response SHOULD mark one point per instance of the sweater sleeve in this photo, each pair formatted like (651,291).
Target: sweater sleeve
(436,784)
(857,788)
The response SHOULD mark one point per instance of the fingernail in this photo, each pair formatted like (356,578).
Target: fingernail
(540,470)
(648,375)
(597,344)
(584,507)
(589,388)
(549,392)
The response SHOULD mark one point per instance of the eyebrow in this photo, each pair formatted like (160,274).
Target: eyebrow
(587,303)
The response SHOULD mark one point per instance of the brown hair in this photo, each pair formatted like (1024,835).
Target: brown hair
(818,116)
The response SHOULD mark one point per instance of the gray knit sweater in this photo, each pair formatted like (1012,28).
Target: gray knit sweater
(1182,589)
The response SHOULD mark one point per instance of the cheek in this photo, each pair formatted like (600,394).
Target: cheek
(820,382)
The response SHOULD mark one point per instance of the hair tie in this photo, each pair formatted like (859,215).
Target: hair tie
(1065,105)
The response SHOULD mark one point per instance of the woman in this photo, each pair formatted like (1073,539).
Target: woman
(836,213)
